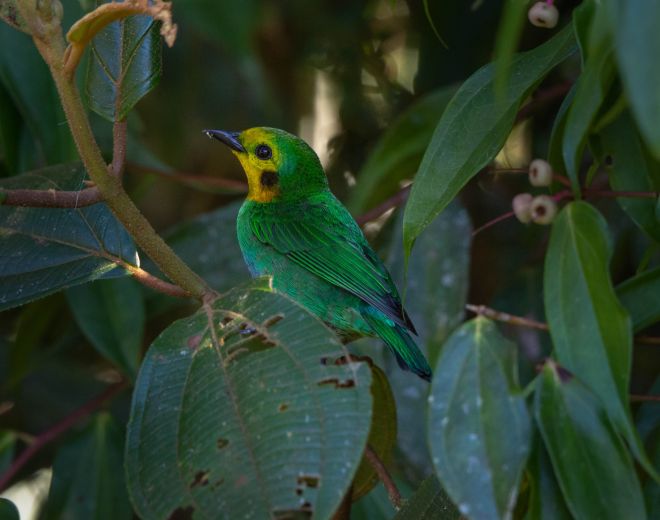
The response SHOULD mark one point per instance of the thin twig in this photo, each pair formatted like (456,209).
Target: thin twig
(647,340)
(542,97)
(644,398)
(50,198)
(608,194)
(490,223)
(190,178)
(57,430)
(118,148)
(505,317)
(384,475)
(393,202)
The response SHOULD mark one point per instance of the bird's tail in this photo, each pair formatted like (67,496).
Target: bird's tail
(403,347)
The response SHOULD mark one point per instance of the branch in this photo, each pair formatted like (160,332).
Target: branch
(118,148)
(542,98)
(155,283)
(644,398)
(57,430)
(393,202)
(50,198)
(385,477)
(494,221)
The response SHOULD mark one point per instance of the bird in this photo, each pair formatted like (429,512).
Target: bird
(292,228)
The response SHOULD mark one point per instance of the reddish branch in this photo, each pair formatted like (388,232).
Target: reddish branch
(155,283)
(385,477)
(58,430)
(393,202)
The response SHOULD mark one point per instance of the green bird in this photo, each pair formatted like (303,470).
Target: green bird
(292,227)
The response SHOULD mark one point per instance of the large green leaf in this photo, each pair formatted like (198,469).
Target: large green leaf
(435,290)
(125,65)
(546,501)
(259,423)
(637,49)
(509,30)
(8,510)
(594,469)
(555,155)
(590,329)
(479,428)
(430,502)
(399,151)
(88,477)
(111,315)
(44,250)
(473,129)
(624,156)
(639,295)
(26,78)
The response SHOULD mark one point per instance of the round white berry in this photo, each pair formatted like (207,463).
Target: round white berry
(522,207)
(540,173)
(543,209)
(543,14)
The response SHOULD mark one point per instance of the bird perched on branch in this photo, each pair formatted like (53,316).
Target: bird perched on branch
(292,228)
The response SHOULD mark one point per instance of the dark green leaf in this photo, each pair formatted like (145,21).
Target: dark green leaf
(125,67)
(651,487)
(399,151)
(637,50)
(88,477)
(479,427)
(26,78)
(594,469)
(259,425)
(639,295)
(590,329)
(8,510)
(473,129)
(624,156)
(430,502)
(45,250)
(7,446)
(510,28)
(546,501)
(555,156)
(10,132)
(436,288)
(111,315)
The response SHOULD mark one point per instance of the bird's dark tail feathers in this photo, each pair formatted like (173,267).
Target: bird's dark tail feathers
(403,347)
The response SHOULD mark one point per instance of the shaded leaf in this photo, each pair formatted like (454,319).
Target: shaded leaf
(88,477)
(509,30)
(630,168)
(8,510)
(546,501)
(430,502)
(590,329)
(594,469)
(125,65)
(473,129)
(382,434)
(261,424)
(7,447)
(111,315)
(555,156)
(639,295)
(479,427)
(435,292)
(637,49)
(398,152)
(44,250)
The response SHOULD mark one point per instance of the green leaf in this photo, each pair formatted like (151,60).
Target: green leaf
(88,477)
(8,510)
(509,30)
(125,67)
(382,434)
(546,501)
(26,78)
(436,286)
(259,423)
(430,502)
(583,311)
(398,152)
(479,427)
(555,156)
(473,129)
(45,250)
(639,295)
(111,315)
(594,469)
(637,49)
(624,156)
(7,447)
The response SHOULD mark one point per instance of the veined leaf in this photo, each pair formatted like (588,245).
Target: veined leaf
(594,469)
(639,295)
(240,411)
(44,250)
(125,65)
(430,502)
(479,427)
(473,129)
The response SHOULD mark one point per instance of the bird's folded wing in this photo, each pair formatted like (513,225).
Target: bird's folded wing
(337,252)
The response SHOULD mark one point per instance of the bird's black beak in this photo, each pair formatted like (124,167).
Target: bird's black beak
(229,138)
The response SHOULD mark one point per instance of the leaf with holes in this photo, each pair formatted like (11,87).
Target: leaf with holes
(479,427)
(473,129)
(242,412)
(125,65)
(44,250)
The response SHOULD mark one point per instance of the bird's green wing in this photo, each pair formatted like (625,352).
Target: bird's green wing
(324,239)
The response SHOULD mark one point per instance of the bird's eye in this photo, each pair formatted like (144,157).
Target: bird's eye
(263,152)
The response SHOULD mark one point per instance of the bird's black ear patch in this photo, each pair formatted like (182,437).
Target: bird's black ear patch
(269,178)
